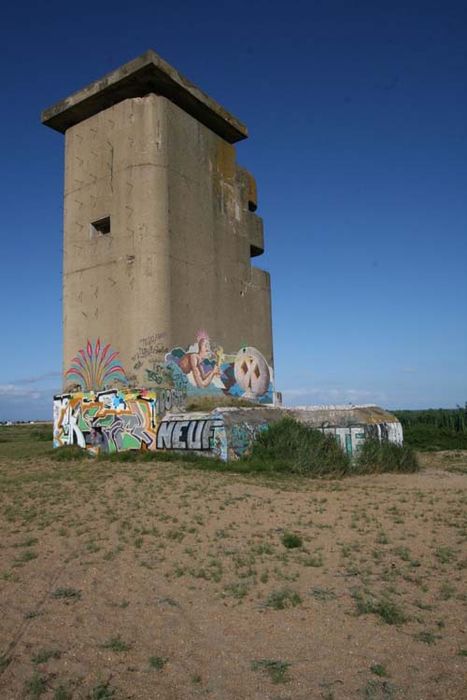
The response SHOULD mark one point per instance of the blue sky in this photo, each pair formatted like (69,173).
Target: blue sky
(357,113)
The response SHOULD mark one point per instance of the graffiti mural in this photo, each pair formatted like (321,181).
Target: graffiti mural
(204,368)
(95,367)
(187,434)
(109,421)
(100,414)
(242,435)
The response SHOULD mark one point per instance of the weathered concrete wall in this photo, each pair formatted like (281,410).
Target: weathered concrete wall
(159,233)
(177,258)
(117,420)
(352,425)
(116,286)
(213,283)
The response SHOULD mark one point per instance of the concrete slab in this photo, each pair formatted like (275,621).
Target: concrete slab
(146,74)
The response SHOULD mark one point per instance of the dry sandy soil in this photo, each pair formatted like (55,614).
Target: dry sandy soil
(157,581)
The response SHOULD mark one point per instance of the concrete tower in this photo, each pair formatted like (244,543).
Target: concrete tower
(159,230)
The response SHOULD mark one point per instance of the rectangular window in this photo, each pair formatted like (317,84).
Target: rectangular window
(101,227)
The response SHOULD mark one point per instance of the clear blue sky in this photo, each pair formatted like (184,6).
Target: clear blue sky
(357,113)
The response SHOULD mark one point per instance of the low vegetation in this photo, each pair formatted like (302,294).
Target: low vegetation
(435,428)
(286,447)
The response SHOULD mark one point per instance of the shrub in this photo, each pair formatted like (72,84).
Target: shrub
(282,599)
(291,540)
(292,446)
(377,457)
(276,669)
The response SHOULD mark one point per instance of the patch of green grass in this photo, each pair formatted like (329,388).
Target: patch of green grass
(157,662)
(27,555)
(386,609)
(62,692)
(25,441)
(69,453)
(29,542)
(4,662)
(283,598)
(379,690)
(315,560)
(116,644)
(277,670)
(446,591)
(291,541)
(427,637)
(64,593)
(382,538)
(444,554)
(35,686)
(462,652)
(403,553)
(237,590)
(9,576)
(323,594)
(45,655)
(102,691)
(378,670)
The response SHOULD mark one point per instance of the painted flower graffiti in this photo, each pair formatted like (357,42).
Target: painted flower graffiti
(95,367)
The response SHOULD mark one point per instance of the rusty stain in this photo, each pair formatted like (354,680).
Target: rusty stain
(225,160)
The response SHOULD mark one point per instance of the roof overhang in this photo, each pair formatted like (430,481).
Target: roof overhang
(146,74)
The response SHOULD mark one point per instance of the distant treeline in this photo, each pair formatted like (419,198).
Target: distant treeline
(435,428)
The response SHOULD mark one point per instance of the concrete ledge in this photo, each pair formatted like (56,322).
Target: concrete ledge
(146,74)
(256,231)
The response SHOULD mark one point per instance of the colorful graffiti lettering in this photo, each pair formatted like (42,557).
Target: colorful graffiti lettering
(112,420)
(95,367)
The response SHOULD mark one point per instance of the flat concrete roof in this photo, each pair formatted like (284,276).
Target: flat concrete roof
(146,74)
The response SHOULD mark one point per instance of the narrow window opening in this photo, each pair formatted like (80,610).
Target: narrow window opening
(101,227)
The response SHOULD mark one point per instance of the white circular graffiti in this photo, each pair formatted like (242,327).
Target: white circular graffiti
(251,372)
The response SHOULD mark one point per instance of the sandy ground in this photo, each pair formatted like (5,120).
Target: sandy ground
(155,581)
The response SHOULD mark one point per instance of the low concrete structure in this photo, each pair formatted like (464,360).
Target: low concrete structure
(112,421)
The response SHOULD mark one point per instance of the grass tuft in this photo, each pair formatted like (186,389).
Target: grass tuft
(283,598)
(157,662)
(45,655)
(35,686)
(376,457)
(102,691)
(64,593)
(291,541)
(275,669)
(294,447)
(116,644)
(386,609)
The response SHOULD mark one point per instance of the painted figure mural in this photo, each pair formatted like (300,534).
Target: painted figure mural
(209,369)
